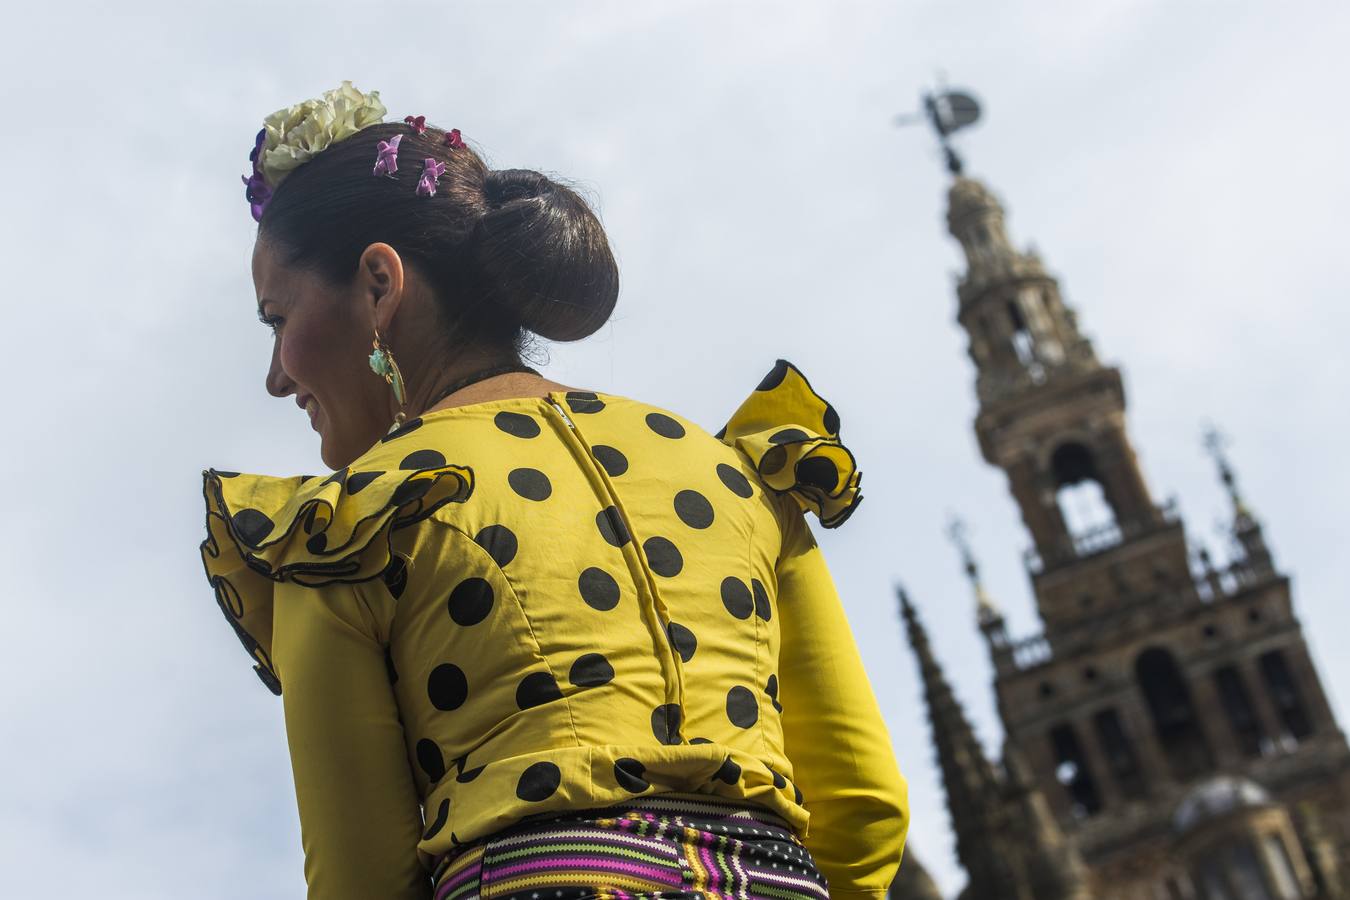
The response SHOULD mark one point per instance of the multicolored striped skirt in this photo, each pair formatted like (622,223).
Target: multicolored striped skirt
(668,846)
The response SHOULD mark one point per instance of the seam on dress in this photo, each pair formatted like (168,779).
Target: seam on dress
(538,650)
(759,623)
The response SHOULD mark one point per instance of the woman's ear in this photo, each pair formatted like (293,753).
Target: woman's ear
(379,283)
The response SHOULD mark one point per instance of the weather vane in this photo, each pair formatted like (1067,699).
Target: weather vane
(947,111)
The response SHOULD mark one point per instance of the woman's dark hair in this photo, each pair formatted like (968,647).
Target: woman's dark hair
(507,251)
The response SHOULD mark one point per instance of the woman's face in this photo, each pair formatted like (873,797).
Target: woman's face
(321,354)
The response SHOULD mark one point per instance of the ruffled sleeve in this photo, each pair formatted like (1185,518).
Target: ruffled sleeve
(791,434)
(263,529)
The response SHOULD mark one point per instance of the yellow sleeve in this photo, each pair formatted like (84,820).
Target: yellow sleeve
(360,817)
(833,733)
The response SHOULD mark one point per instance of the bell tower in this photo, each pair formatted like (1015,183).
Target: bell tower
(1169,713)
(1052,416)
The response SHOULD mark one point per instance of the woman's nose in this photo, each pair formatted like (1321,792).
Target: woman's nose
(278,384)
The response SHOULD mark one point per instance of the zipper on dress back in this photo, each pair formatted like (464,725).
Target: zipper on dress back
(671,663)
(570,424)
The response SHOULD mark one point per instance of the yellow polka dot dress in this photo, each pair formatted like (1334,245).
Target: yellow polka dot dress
(537,605)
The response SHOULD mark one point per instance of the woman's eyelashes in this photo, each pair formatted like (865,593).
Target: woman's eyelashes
(270,321)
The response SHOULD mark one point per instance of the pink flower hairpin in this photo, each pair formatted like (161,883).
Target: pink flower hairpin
(431,170)
(452,139)
(418,123)
(386,161)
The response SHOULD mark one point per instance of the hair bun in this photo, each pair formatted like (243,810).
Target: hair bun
(501,186)
(539,253)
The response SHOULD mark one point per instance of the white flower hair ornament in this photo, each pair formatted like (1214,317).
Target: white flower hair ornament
(292,136)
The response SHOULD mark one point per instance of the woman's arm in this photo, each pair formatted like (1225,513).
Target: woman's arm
(360,818)
(834,735)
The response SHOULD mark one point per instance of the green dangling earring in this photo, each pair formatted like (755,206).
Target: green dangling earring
(382,364)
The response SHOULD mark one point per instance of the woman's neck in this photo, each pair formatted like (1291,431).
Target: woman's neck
(500,387)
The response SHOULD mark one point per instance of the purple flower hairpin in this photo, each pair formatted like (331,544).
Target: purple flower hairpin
(386,161)
(256,191)
(431,170)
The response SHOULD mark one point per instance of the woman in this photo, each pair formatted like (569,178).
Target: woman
(535,640)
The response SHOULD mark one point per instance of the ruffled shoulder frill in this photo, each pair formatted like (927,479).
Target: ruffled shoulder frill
(263,529)
(791,434)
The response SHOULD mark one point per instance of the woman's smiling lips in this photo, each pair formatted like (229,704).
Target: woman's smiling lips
(302,400)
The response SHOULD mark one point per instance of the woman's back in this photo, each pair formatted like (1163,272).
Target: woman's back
(537,605)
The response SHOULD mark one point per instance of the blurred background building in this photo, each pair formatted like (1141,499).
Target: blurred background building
(1167,736)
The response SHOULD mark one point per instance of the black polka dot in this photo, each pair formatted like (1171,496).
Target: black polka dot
(536,689)
(778,780)
(730,773)
(797,795)
(447,687)
(773,460)
(389,665)
(615,463)
(252,526)
(591,670)
(316,543)
(517,424)
(664,425)
(831,420)
(539,782)
(599,589)
(612,527)
(499,542)
(775,376)
(699,740)
(430,759)
(426,458)
(761,596)
(530,483)
(584,402)
(442,813)
(666,723)
(788,436)
(818,471)
(359,480)
(467,775)
(395,575)
(470,601)
(400,431)
(735,481)
(693,509)
(337,477)
(736,598)
(683,640)
(721,433)
(628,773)
(663,556)
(771,688)
(742,709)
(410,490)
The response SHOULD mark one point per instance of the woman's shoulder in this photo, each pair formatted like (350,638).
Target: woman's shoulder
(787,433)
(313,531)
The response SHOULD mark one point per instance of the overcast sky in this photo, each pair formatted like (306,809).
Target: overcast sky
(1180,166)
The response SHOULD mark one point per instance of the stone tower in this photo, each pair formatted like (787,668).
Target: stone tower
(1169,713)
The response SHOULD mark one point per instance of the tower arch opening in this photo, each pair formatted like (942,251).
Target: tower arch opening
(1174,717)
(1081,496)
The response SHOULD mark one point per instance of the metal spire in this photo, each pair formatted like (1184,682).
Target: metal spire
(986,611)
(1216,442)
